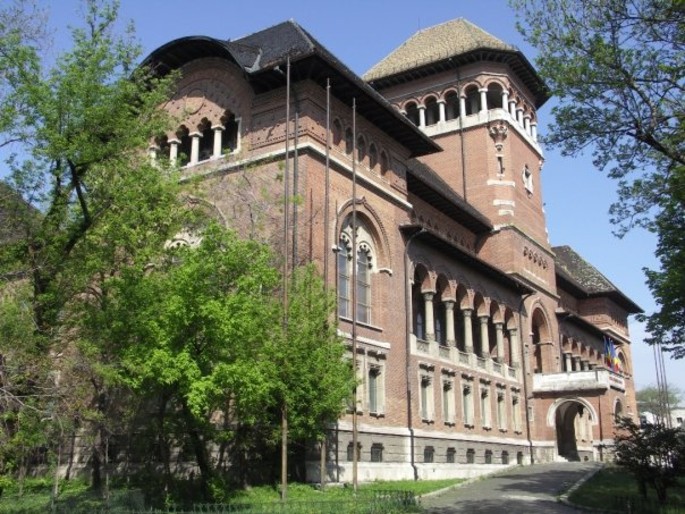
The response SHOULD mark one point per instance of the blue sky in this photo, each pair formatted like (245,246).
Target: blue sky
(362,32)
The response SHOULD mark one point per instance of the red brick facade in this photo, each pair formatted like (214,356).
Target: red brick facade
(471,352)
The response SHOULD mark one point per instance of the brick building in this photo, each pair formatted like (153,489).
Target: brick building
(477,343)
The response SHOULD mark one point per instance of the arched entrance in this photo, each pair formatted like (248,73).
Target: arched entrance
(572,420)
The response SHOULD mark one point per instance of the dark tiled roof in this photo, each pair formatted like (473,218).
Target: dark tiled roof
(264,54)
(574,271)
(428,185)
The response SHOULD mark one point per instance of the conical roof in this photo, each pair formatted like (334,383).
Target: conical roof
(437,43)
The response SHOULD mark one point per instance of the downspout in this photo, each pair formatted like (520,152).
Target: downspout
(524,372)
(407,357)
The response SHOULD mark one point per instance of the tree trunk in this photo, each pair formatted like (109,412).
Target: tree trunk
(200,450)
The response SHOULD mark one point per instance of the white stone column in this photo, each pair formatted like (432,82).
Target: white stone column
(484,337)
(512,108)
(422,116)
(173,150)
(483,100)
(519,115)
(449,322)
(499,334)
(462,106)
(526,123)
(218,134)
(585,365)
(468,330)
(568,365)
(505,99)
(430,320)
(194,147)
(152,152)
(514,347)
(534,130)
(441,108)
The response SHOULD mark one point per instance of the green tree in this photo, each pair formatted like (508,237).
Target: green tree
(650,399)
(654,454)
(201,329)
(78,128)
(618,71)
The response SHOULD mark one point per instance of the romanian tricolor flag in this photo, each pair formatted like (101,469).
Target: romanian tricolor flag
(612,359)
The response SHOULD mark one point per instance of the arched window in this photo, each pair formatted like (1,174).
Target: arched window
(364,265)
(206,141)
(451,105)
(363,284)
(373,156)
(412,111)
(472,100)
(494,96)
(229,137)
(185,146)
(384,163)
(361,149)
(349,141)
(337,132)
(432,111)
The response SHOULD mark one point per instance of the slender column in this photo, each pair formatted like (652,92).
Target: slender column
(468,330)
(484,339)
(512,108)
(499,334)
(462,105)
(576,363)
(585,365)
(483,100)
(430,320)
(505,99)
(218,133)
(526,123)
(519,115)
(534,130)
(173,150)
(567,362)
(514,346)
(441,107)
(152,152)
(449,322)
(422,116)
(194,147)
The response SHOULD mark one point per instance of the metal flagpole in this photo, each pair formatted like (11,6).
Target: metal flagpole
(326,243)
(354,291)
(286,193)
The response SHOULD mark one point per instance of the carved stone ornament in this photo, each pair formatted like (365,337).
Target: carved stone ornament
(498,132)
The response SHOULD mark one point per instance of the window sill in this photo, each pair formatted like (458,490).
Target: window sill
(503,430)
(469,425)
(361,324)
(377,414)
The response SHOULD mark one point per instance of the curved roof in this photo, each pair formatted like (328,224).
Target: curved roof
(263,57)
(450,45)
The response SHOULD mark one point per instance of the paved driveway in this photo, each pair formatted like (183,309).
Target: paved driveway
(520,490)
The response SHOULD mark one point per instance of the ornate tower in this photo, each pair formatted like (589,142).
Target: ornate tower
(477,97)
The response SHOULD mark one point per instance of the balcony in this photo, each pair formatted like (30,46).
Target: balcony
(591,380)
(452,355)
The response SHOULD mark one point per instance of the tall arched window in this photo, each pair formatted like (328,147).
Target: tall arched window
(364,265)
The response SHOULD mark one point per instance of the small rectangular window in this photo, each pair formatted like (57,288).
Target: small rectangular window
(376,452)
(451,456)
(428,454)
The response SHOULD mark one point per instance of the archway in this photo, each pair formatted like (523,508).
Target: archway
(571,420)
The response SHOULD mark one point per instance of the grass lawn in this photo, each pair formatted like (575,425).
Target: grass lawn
(611,482)
(76,497)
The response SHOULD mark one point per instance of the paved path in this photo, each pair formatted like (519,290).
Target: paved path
(520,490)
